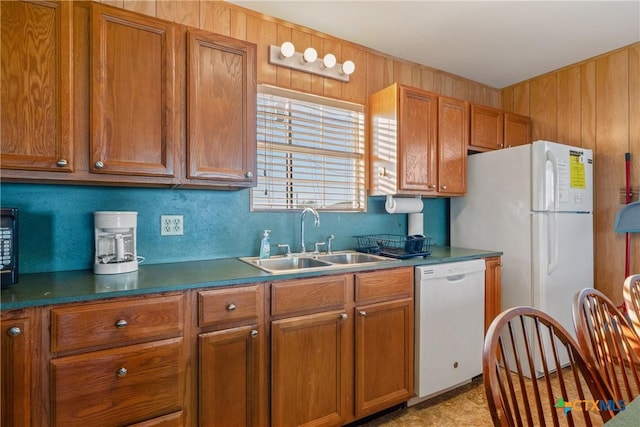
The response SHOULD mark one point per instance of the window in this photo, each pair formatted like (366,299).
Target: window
(310,153)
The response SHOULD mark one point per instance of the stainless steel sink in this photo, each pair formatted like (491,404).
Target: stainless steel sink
(310,262)
(351,258)
(290,263)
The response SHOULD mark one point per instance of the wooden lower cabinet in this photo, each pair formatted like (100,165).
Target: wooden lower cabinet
(17,347)
(384,355)
(229,377)
(492,290)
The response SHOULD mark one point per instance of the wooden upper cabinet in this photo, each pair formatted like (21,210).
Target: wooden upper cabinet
(517,130)
(133,94)
(418,142)
(453,138)
(221,109)
(487,128)
(492,129)
(35,77)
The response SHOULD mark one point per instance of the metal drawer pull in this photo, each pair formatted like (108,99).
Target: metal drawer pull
(122,372)
(99,164)
(343,316)
(363,313)
(121,323)
(254,333)
(14,331)
(231,307)
(61,162)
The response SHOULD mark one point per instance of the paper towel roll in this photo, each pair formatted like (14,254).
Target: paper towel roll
(403,205)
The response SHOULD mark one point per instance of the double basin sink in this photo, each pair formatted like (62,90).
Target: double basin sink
(296,263)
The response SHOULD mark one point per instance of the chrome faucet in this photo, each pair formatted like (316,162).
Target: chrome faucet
(303,250)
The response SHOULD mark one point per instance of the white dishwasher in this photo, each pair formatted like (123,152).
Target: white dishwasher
(449,327)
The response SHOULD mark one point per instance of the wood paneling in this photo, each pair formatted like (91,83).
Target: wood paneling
(594,104)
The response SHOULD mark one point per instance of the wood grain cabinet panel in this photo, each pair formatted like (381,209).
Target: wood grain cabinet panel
(517,130)
(383,355)
(133,94)
(17,348)
(453,139)
(110,324)
(487,127)
(221,109)
(35,76)
(492,290)
(310,370)
(229,377)
(118,386)
(234,306)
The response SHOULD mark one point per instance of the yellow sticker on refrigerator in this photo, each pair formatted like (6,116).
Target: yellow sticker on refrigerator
(576,169)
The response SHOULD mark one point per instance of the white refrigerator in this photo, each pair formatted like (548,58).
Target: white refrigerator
(535,204)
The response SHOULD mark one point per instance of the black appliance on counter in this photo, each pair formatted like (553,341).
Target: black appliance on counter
(8,246)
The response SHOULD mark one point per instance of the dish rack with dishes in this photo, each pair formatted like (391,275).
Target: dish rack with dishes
(394,245)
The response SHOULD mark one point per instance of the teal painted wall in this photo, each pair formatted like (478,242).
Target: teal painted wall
(56,224)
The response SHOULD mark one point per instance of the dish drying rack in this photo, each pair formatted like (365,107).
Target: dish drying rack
(394,245)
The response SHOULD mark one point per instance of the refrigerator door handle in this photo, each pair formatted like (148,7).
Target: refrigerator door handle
(552,242)
(551,187)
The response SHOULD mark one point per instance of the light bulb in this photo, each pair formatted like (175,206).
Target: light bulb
(329,60)
(310,55)
(287,49)
(348,67)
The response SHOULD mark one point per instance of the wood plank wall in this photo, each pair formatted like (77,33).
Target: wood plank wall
(374,70)
(594,104)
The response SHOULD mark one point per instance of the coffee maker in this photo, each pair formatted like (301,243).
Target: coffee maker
(115,241)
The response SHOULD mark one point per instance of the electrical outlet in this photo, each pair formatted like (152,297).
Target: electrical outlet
(171,225)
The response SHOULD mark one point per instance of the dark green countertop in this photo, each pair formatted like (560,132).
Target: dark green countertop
(41,289)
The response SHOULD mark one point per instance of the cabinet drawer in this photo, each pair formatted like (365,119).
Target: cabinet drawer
(384,285)
(118,386)
(116,323)
(317,294)
(235,305)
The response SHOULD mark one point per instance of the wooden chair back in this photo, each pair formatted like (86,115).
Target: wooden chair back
(631,292)
(609,342)
(517,341)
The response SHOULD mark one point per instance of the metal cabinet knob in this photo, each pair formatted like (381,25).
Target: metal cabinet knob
(254,333)
(363,313)
(14,331)
(231,307)
(431,186)
(122,372)
(444,187)
(343,316)
(62,162)
(249,174)
(99,164)
(121,323)
(382,171)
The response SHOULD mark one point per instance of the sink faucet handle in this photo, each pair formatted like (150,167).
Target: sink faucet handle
(285,246)
(331,237)
(316,249)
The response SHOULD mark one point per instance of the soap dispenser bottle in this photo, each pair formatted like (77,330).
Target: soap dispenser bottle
(265,246)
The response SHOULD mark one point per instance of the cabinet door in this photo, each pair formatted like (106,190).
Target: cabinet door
(221,109)
(310,370)
(492,290)
(517,130)
(486,128)
(453,138)
(230,373)
(417,140)
(35,107)
(133,94)
(384,355)
(16,371)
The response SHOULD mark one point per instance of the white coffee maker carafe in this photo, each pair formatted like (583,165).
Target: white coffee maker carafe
(115,240)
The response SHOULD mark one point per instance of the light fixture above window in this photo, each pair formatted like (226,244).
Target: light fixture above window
(286,56)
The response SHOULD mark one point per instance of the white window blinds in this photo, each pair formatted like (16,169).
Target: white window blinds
(310,153)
